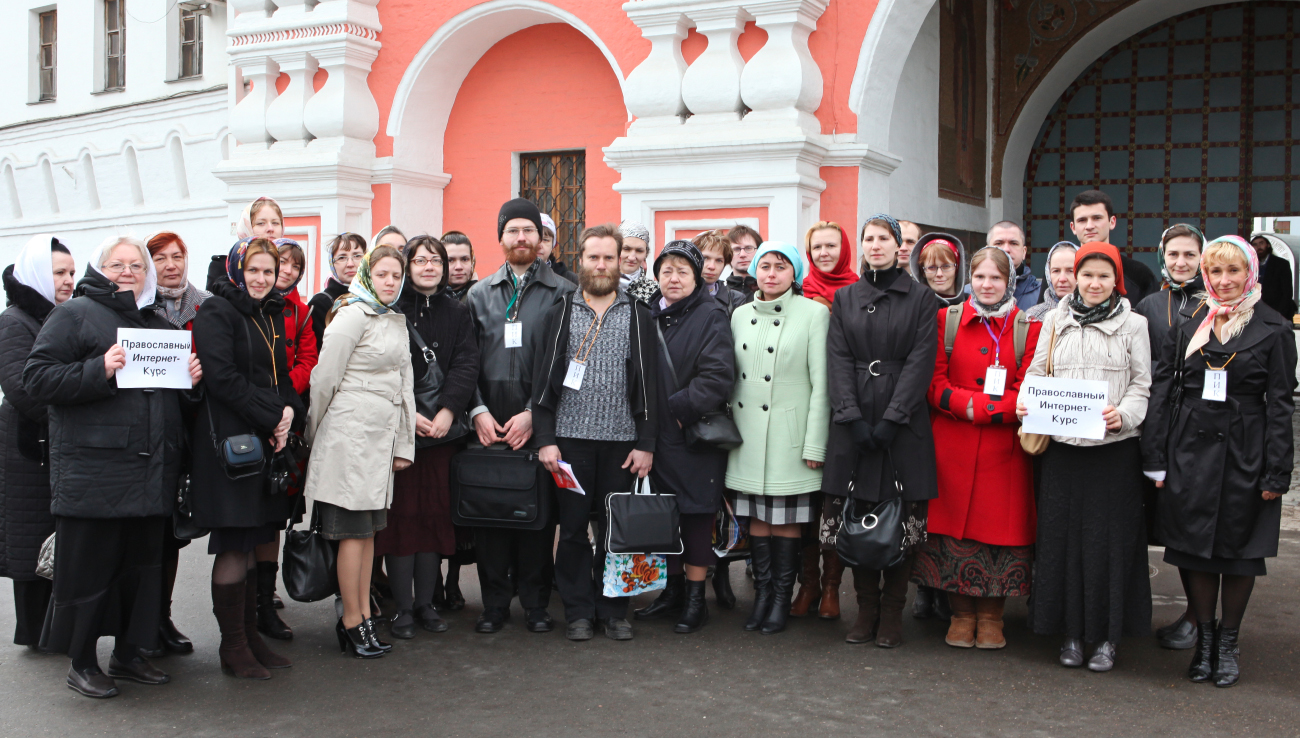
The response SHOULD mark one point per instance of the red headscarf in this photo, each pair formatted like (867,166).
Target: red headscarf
(823,284)
(1110,252)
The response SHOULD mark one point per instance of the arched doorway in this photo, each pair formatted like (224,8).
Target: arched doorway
(1189,120)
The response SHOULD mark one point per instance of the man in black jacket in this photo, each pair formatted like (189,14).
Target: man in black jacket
(1274,279)
(460,265)
(744,242)
(508,309)
(594,407)
(1092,218)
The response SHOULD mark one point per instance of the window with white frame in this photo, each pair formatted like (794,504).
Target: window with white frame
(114,44)
(46,57)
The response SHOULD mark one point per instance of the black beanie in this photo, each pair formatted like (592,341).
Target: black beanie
(687,251)
(518,208)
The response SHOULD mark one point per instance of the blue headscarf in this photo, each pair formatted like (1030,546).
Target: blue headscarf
(786,250)
(894,227)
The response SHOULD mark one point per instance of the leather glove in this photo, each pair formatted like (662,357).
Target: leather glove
(883,434)
(861,431)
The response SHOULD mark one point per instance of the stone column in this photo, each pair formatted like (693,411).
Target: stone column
(711,85)
(653,91)
(781,83)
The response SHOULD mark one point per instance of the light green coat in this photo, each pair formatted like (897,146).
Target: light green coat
(780,402)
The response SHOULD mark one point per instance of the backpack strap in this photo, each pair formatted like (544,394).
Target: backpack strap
(951,323)
(1020,336)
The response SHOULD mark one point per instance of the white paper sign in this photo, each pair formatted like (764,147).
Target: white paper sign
(577,370)
(1064,407)
(514,335)
(1216,385)
(154,359)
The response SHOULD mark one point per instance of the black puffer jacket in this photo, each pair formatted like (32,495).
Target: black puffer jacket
(320,304)
(244,393)
(25,520)
(447,329)
(114,453)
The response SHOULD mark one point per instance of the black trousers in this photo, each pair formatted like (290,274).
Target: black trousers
(578,572)
(528,551)
(31,598)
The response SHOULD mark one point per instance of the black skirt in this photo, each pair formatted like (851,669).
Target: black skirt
(221,540)
(1217,564)
(1091,579)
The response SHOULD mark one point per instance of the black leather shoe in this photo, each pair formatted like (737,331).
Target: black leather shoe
(669,602)
(403,625)
(373,633)
(136,670)
(172,639)
(356,641)
(490,621)
(430,619)
(1182,637)
(539,620)
(722,586)
(152,653)
(1104,658)
(617,629)
(92,682)
(579,630)
(1072,653)
(452,596)
(1202,666)
(923,603)
(1165,630)
(696,612)
(1226,669)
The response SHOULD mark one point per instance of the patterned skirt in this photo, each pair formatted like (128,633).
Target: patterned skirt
(776,509)
(973,568)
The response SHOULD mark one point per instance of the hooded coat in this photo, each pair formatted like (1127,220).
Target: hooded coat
(959,279)
(25,520)
(114,453)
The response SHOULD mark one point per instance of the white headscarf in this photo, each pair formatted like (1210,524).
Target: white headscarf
(35,266)
(245,227)
(150,290)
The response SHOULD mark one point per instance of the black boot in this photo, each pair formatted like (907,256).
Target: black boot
(451,594)
(1226,669)
(696,612)
(356,641)
(1202,666)
(722,585)
(1181,636)
(785,569)
(669,601)
(760,556)
(269,623)
(923,603)
(172,639)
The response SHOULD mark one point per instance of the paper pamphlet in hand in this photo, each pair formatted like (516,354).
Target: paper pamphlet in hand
(154,359)
(1064,407)
(565,479)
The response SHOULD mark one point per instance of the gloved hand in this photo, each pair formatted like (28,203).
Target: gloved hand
(883,434)
(861,431)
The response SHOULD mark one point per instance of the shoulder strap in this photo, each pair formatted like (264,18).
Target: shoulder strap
(429,356)
(1020,336)
(663,345)
(951,323)
(1051,348)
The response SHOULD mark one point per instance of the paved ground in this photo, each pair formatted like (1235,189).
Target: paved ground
(721,681)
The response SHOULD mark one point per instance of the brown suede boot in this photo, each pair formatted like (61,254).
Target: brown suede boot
(988,629)
(236,658)
(809,592)
(961,631)
(893,598)
(263,653)
(867,584)
(832,575)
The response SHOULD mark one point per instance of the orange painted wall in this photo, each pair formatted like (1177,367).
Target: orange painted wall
(663,216)
(840,200)
(316,263)
(505,106)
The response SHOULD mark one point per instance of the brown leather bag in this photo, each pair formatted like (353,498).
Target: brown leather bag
(1035,444)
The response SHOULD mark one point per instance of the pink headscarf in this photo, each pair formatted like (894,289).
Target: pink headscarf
(1238,310)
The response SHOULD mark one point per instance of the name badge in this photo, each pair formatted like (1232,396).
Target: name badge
(573,380)
(995,381)
(1216,385)
(514,335)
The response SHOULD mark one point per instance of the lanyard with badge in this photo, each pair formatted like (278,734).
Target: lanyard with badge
(578,364)
(514,329)
(995,377)
(1216,380)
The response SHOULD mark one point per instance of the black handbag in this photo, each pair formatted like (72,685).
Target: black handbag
(427,390)
(241,455)
(310,564)
(715,429)
(496,487)
(183,526)
(642,523)
(878,538)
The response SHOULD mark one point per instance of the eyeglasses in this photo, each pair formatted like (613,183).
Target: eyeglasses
(420,261)
(743,249)
(117,267)
(342,259)
(941,269)
(516,232)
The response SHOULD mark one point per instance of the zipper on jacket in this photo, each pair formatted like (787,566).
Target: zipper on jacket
(555,347)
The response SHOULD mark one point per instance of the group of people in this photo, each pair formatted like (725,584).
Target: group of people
(857,371)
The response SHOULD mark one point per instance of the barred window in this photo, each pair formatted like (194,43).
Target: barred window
(555,181)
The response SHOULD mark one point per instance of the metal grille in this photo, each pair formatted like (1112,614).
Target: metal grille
(191,44)
(114,44)
(555,181)
(48,59)
(1188,121)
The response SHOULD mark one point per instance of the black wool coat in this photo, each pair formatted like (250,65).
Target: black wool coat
(447,329)
(114,453)
(1219,456)
(896,326)
(1164,313)
(246,386)
(25,519)
(697,332)
(319,306)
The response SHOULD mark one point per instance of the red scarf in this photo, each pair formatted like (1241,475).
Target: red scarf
(823,284)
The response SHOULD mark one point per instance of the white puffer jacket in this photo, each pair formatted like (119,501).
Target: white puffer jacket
(1116,350)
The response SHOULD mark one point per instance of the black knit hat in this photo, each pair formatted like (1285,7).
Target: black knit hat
(687,251)
(518,208)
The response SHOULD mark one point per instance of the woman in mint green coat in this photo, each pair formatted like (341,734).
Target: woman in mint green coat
(781,407)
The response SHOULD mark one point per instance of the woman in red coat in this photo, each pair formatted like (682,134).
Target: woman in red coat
(301,343)
(982,525)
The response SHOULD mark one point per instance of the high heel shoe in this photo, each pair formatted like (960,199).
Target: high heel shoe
(369,624)
(356,641)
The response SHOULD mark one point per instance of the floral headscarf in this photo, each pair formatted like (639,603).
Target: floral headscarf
(235,263)
(1239,311)
(362,289)
(280,243)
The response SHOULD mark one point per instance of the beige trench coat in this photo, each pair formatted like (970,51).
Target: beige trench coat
(362,409)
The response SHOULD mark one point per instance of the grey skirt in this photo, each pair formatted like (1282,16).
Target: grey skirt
(776,509)
(336,523)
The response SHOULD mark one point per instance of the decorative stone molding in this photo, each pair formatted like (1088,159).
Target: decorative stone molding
(284,115)
(294,34)
(653,91)
(711,84)
(782,82)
